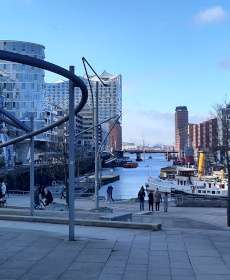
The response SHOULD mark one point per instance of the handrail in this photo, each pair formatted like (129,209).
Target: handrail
(32,61)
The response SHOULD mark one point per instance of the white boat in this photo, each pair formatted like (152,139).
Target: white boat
(187,181)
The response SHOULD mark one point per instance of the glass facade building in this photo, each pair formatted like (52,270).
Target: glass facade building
(109,98)
(27,95)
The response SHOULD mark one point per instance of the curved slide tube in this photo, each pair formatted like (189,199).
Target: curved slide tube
(77,82)
(14,120)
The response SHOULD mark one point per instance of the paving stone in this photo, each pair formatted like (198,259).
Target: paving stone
(211,269)
(182,271)
(136,267)
(159,271)
(183,277)
(160,277)
(212,277)
(135,275)
(11,273)
(100,245)
(206,260)
(15,264)
(203,253)
(138,260)
(110,276)
(38,277)
(86,266)
(158,253)
(81,275)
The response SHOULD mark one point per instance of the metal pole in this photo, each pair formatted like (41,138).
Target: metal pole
(71,157)
(96,146)
(32,168)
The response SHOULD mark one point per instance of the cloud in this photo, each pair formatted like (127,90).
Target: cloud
(149,126)
(211,15)
(225,63)
(152,127)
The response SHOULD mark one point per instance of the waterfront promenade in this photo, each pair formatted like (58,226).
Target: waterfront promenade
(194,244)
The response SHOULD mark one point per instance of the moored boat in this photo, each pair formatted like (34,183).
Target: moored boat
(186,181)
(130,165)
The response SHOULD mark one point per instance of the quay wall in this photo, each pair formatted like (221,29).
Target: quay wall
(189,201)
(19,178)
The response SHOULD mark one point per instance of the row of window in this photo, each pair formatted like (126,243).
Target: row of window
(210,192)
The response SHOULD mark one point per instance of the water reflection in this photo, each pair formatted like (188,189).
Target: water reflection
(132,179)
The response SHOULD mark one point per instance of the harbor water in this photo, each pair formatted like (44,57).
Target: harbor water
(131,179)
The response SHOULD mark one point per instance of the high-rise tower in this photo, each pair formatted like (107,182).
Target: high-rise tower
(181,129)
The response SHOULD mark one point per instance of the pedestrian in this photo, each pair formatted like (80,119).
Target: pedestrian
(63,192)
(151,200)
(3,187)
(48,197)
(158,199)
(110,193)
(2,192)
(141,197)
(165,202)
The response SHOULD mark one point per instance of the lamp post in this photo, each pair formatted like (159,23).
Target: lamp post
(32,167)
(96,128)
(71,157)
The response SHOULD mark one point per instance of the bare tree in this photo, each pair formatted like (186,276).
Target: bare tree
(223,116)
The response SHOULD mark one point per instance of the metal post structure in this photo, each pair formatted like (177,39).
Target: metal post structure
(71,157)
(32,167)
(96,147)
(100,169)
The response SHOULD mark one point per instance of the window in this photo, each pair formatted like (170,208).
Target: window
(213,192)
(199,191)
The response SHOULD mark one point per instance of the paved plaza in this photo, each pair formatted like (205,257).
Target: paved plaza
(41,251)
(194,244)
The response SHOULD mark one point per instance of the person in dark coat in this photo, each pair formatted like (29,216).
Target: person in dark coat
(48,197)
(158,199)
(110,193)
(151,200)
(141,197)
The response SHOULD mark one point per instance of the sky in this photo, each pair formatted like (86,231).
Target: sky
(170,53)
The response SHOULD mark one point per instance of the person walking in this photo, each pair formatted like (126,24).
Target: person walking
(141,197)
(3,188)
(3,192)
(151,200)
(110,193)
(158,199)
(165,202)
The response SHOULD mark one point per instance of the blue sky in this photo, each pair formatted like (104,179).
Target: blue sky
(169,52)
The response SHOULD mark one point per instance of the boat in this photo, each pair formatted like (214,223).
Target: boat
(130,165)
(186,181)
